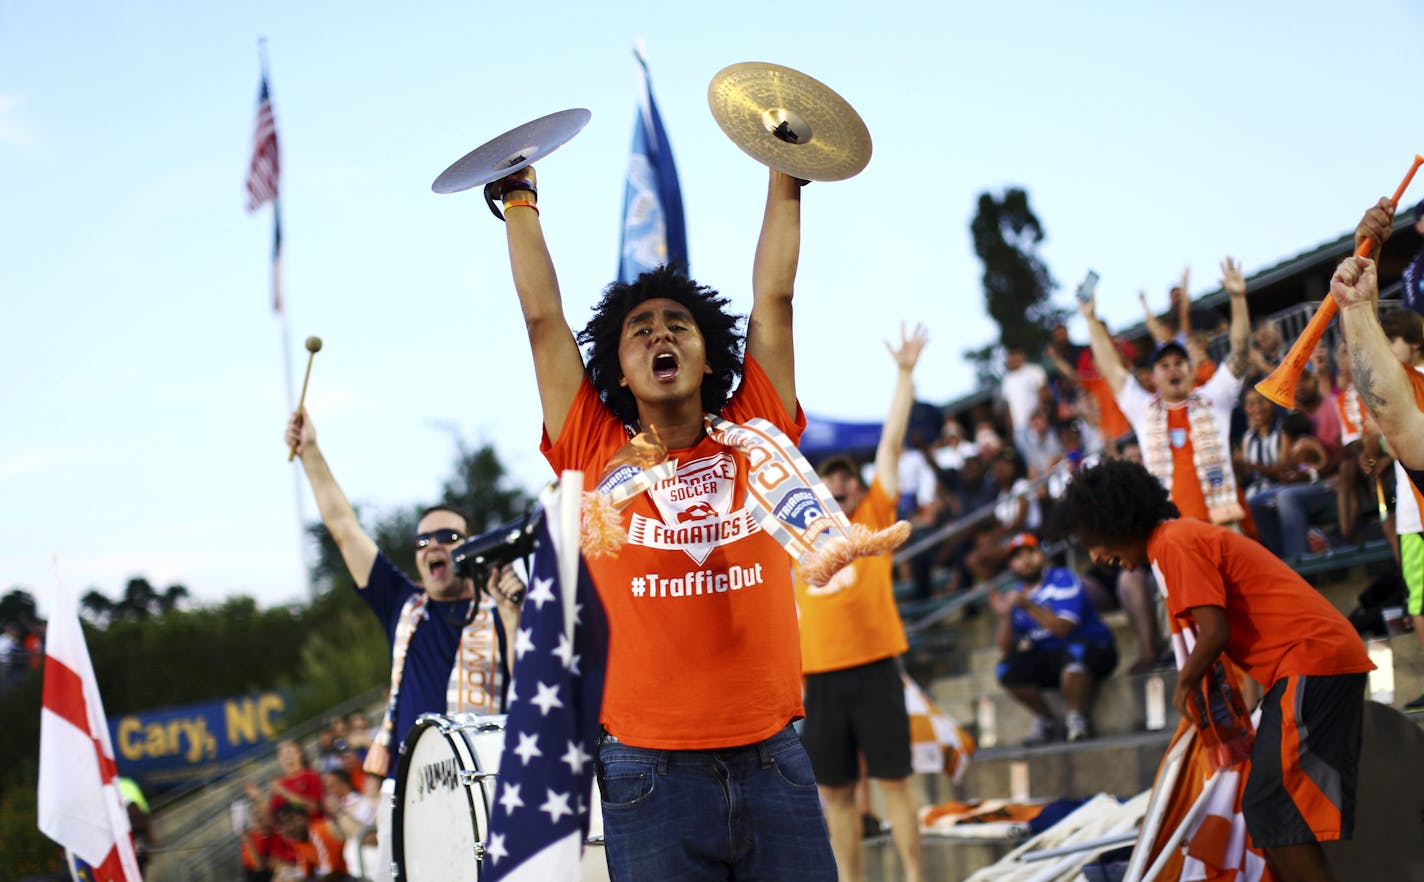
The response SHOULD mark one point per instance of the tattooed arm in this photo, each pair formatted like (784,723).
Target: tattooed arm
(1385,385)
(1238,358)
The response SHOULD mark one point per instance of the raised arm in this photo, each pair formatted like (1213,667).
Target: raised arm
(769,338)
(1239,357)
(357,548)
(1060,364)
(1159,330)
(1105,355)
(1384,383)
(558,366)
(892,435)
(1184,302)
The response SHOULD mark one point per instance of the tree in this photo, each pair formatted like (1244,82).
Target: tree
(139,602)
(1018,288)
(480,488)
(17,606)
(96,607)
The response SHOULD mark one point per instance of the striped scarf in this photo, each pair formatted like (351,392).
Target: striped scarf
(785,498)
(475,678)
(1209,456)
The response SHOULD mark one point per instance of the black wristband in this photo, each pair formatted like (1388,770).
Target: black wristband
(502,188)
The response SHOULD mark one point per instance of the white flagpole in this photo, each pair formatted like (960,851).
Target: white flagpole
(570,504)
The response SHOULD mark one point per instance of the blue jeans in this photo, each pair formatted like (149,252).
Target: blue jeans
(744,813)
(1282,515)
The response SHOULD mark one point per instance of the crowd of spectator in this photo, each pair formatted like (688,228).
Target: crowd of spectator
(1312,477)
(21,649)
(316,819)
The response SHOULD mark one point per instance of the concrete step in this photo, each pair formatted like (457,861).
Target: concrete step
(940,858)
(1124,704)
(1399,675)
(1119,764)
(1123,765)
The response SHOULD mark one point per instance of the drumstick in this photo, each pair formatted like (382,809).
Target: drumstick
(1379,495)
(313,347)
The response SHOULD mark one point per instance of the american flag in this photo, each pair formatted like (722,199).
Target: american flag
(264,177)
(541,812)
(264,172)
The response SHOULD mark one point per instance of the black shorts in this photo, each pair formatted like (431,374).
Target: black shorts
(857,711)
(1305,763)
(1044,667)
(1106,576)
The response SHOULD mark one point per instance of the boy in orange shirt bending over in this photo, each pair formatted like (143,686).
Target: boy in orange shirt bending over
(1245,602)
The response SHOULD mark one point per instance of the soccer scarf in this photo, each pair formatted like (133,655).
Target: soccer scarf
(784,496)
(1209,456)
(475,676)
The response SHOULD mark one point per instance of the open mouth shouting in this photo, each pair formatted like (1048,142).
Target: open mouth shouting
(665,367)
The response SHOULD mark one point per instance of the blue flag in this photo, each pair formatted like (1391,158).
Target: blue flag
(653,230)
(541,812)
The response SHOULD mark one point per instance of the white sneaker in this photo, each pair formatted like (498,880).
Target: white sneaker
(1078,728)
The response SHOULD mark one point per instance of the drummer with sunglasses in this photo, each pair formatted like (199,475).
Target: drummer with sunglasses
(448,642)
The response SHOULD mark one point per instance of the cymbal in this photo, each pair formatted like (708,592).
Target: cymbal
(784,119)
(515,149)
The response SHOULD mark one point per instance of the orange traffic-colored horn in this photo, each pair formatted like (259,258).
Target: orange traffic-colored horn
(1280,385)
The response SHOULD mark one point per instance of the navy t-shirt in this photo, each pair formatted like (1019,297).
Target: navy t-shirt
(1061,591)
(432,649)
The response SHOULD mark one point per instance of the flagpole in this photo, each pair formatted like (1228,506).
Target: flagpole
(278,304)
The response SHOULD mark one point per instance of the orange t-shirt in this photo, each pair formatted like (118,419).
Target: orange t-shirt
(1204,371)
(321,854)
(703,651)
(1280,625)
(1186,490)
(860,623)
(1111,423)
(1186,483)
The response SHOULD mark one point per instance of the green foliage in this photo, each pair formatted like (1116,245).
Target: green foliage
(24,850)
(1018,288)
(205,654)
(139,602)
(480,489)
(150,652)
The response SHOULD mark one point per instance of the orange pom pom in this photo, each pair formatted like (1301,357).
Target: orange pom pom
(601,532)
(819,566)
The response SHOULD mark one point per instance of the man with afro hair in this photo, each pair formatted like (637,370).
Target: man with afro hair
(700,772)
(1241,600)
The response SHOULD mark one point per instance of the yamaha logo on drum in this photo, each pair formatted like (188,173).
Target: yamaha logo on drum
(444,775)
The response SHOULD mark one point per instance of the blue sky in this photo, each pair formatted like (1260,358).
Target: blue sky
(143,384)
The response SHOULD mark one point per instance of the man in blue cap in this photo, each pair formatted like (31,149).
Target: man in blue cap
(1184,430)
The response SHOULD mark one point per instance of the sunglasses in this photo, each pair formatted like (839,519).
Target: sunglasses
(446,536)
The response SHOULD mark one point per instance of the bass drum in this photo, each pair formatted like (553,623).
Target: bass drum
(445,789)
